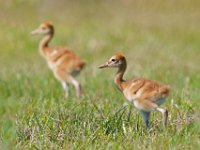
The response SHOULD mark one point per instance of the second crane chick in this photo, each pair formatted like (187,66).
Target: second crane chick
(64,64)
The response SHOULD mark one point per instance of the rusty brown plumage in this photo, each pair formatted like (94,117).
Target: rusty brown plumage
(64,64)
(146,95)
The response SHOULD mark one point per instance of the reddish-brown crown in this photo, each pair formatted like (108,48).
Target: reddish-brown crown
(118,56)
(48,25)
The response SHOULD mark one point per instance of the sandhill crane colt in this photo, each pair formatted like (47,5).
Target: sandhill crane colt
(63,62)
(146,95)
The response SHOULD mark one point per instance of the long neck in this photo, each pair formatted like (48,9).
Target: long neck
(44,44)
(119,76)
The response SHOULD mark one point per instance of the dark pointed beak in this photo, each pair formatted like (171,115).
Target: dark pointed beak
(103,65)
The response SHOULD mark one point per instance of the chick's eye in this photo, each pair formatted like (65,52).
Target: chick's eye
(43,28)
(112,60)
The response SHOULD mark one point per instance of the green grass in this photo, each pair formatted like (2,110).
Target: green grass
(161,42)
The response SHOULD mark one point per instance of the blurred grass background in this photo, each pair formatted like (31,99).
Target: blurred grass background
(161,42)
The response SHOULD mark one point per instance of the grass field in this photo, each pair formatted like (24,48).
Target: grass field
(161,40)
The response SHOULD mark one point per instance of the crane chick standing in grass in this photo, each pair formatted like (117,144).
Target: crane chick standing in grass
(146,95)
(64,63)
